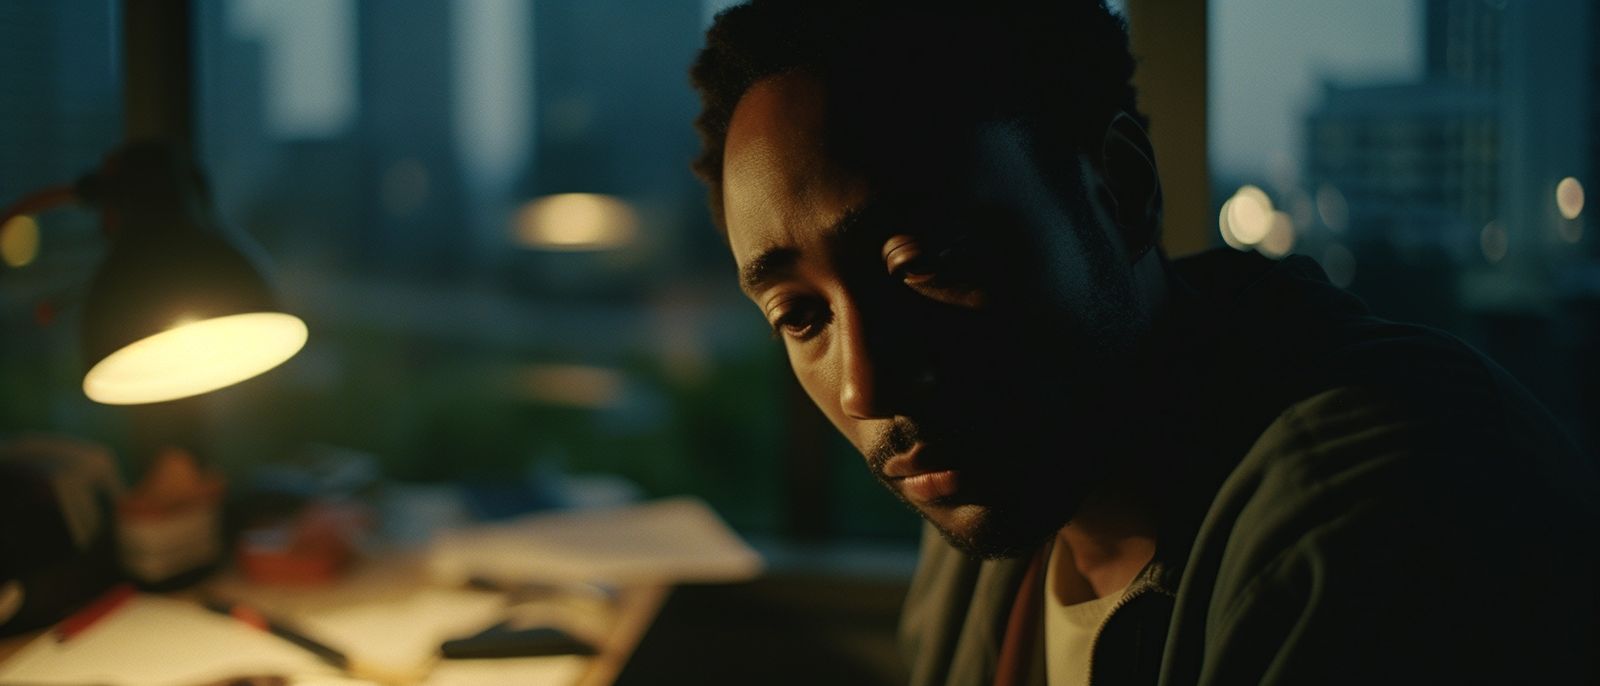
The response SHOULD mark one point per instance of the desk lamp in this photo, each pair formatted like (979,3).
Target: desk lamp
(176,309)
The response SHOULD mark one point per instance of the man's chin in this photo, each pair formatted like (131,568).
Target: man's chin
(990,532)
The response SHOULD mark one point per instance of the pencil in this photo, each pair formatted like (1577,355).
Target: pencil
(251,616)
(323,651)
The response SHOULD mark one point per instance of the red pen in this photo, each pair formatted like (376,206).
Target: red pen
(93,612)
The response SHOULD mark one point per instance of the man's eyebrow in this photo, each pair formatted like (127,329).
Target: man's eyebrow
(767,267)
(774,263)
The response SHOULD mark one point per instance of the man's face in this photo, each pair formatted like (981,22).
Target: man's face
(960,318)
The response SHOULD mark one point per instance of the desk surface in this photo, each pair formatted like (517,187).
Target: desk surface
(636,609)
(615,637)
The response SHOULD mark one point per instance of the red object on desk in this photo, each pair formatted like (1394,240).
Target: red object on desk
(93,612)
(313,550)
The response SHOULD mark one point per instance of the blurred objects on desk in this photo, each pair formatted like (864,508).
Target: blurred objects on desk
(675,540)
(57,549)
(303,519)
(313,548)
(158,641)
(169,525)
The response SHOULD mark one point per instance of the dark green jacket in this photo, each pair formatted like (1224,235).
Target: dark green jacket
(1357,502)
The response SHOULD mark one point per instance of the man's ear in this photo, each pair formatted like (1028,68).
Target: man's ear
(1133,186)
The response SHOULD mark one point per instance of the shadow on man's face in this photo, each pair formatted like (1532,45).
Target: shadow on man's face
(952,298)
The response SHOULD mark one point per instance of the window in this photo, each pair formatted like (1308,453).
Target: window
(1432,156)
(60,112)
(485,215)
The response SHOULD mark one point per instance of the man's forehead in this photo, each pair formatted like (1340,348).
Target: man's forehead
(795,172)
(779,181)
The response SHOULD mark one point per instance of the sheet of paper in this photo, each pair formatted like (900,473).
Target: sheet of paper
(403,635)
(675,540)
(157,641)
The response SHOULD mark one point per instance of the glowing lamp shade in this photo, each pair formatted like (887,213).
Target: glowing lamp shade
(195,358)
(176,309)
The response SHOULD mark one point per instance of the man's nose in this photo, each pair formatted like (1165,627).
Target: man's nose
(880,366)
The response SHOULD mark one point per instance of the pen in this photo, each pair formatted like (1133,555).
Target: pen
(323,651)
(250,616)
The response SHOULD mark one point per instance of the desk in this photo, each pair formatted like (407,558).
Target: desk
(615,637)
(636,609)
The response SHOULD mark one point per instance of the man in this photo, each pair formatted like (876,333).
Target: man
(1216,470)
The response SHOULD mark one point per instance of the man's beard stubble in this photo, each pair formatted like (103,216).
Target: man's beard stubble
(1013,522)
(1041,455)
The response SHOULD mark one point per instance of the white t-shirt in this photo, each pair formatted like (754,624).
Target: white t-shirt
(1069,630)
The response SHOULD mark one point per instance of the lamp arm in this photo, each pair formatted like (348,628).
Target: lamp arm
(39,201)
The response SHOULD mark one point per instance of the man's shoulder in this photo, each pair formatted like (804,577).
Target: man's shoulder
(1337,383)
(1362,468)
(1358,518)
(1433,432)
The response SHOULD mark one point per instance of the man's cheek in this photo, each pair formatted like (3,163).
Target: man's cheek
(814,382)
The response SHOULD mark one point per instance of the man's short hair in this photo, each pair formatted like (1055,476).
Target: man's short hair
(1063,66)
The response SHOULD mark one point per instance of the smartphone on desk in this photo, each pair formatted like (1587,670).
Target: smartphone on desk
(502,640)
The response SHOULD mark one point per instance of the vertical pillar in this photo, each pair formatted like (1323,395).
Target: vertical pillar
(1169,40)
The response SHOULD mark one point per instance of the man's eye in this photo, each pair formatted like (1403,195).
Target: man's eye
(917,264)
(918,269)
(799,320)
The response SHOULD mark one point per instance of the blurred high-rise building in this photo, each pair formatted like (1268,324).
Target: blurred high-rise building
(1471,156)
(1416,163)
(1420,163)
(610,123)
(57,122)
(1464,189)
(1547,110)
(415,213)
(1462,41)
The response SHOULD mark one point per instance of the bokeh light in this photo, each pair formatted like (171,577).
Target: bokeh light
(1250,215)
(1493,241)
(577,221)
(1226,227)
(19,241)
(1280,237)
(1332,207)
(1569,198)
(572,385)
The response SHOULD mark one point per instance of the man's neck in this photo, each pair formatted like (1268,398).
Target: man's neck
(1113,535)
(1111,539)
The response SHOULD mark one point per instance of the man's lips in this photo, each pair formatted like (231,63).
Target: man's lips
(929,487)
(918,460)
(921,476)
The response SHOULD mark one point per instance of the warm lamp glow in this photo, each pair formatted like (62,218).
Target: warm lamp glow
(577,221)
(19,241)
(195,358)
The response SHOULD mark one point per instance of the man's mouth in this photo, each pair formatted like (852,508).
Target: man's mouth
(922,476)
(930,487)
